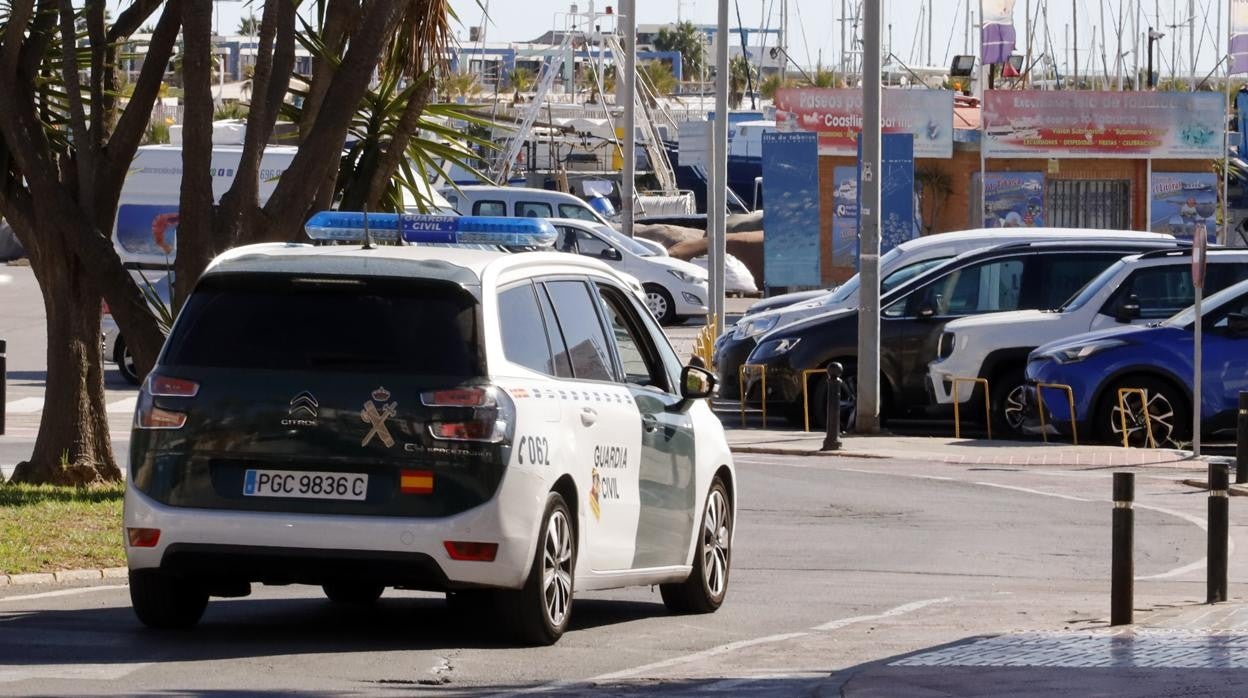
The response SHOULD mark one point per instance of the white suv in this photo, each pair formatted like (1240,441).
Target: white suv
(1139,289)
(505,428)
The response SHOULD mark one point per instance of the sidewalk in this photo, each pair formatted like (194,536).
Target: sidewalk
(959,451)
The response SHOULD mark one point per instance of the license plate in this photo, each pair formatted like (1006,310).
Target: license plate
(302,484)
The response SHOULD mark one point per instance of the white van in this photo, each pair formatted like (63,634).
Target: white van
(146,231)
(487,200)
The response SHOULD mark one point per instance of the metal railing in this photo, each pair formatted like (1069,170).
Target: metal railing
(957,411)
(1122,414)
(1070,397)
(806,393)
(762,370)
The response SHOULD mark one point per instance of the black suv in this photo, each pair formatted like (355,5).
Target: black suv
(1015,276)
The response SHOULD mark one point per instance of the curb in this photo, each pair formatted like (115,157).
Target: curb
(1233,490)
(35,578)
(775,451)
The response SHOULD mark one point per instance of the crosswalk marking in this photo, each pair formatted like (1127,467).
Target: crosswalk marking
(34,405)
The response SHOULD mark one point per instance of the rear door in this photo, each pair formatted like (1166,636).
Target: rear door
(666,486)
(600,416)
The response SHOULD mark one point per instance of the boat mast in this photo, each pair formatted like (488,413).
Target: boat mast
(1191,39)
(1074,15)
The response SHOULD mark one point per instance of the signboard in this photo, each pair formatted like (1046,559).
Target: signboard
(791,217)
(897,221)
(1013,199)
(1183,203)
(695,144)
(836,115)
(148,230)
(1091,124)
(844,216)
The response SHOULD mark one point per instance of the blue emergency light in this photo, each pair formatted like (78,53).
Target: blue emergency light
(348,226)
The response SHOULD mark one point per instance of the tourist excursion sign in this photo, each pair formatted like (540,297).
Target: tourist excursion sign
(836,115)
(1093,124)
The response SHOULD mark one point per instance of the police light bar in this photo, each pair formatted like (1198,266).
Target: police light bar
(348,226)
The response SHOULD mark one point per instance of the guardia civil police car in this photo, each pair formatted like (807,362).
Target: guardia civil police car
(506,428)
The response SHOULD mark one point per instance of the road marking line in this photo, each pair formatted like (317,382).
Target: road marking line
(890,613)
(704,654)
(125,404)
(71,672)
(26,405)
(63,592)
(1028,490)
(5,278)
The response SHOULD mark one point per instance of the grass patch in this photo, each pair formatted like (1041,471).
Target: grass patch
(46,529)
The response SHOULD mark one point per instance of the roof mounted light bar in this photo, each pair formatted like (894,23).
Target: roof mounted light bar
(349,226)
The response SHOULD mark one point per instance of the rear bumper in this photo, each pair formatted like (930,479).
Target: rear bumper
(238,546)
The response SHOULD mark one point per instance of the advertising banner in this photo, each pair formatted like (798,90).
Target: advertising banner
(836,115)
(897,221)
(1183,203)
(791,218)
(148,230)
(844,216)
(1239,36)
(1013,200)
(1092,124)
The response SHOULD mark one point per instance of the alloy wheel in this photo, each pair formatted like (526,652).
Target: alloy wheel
(557,568)
(716,534)
(1161,416)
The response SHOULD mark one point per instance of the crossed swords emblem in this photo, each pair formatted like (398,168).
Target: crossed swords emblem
(377,419)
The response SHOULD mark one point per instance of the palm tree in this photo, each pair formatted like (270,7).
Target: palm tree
(249,26)
(740,73)
(522,80)
(772,83)
(823,77)
(689,41)
(659,76)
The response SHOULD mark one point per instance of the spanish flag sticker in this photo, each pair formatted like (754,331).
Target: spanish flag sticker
(416,482)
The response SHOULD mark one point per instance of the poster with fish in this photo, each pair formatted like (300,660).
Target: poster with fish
(791,218)
(1184,202)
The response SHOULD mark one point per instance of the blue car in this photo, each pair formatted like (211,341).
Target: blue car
(1156,359)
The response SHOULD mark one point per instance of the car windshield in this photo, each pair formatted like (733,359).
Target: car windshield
(282,322)
(1187,317)
(893,280)
(623,242)
(1091,288)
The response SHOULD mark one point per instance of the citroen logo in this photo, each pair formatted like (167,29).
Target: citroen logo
(302,411)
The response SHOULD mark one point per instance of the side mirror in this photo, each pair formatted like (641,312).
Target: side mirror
(929,305)
(1237,325)
(696,383)
(611,254)
(1128,309)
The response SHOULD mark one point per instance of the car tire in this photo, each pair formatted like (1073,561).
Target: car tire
(353,593)
(819,400)
(538,613)
(165,601)
(660,303)
(1007,409)
(125,362)
(1167,407)
(707,585)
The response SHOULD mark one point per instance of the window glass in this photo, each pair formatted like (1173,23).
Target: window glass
(554,336)
(532,209)
(576,211)
(590,245)
(1093,287)
(489,208)
(582,330)
(908,272)
(1163,291)
(1064,275)
(279,322)
(983,288)
(637,355)
(523,330)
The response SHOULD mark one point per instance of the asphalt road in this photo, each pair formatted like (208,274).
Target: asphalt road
(838,563)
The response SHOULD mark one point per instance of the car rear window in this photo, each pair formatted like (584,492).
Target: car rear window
(302,323)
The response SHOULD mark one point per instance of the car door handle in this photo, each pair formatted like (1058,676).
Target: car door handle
(649,423)
(588,416)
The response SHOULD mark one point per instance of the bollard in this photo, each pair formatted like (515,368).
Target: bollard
(1241,441)
(1122,576)
(4,368)
(1219,510)
(832,438)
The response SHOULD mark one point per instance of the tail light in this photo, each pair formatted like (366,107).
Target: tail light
(148,416)
(104,308)
(487,414)
(143,537)
(470,551)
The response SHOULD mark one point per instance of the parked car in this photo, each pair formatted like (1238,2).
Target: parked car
(160,291)
(522,202)
(898,265)
(913,316)
(675,289)
(1156,359)
(1136,290)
